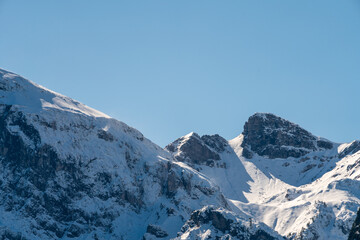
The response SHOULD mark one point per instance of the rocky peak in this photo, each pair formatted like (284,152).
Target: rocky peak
(194,149)
(274,137)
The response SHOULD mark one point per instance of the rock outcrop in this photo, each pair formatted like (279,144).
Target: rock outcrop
(355,230)
(271,136)
(194,149)
(217,223)
(352,148)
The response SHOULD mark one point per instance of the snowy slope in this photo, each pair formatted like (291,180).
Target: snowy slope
(315,196)
(33,98)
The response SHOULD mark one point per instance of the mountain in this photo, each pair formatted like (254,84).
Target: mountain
(300,185)
(68,171)
(274,137)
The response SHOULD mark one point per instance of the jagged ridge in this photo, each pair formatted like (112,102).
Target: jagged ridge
(301,185)
(69,171)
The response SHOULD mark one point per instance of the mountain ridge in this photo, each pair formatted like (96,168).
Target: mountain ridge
(279,186)
(69,171)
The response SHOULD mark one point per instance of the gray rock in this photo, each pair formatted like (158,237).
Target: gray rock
(216,142)
(105,136)
(194,149)
(355,230)
(225,225)
(351,149)
(156,231)
(268,135)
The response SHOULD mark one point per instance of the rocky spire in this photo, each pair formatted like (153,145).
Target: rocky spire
(269,135)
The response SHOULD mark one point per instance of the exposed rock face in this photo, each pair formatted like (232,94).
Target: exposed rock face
(271,136)
(355,230)
(216,142)
(35,167)
(194,149)
(105,135)
(156,231)
(351,149)
(216,223)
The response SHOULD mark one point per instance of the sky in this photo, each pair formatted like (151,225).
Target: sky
(169,68)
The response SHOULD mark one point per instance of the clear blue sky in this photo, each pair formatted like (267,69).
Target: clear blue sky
(171,67)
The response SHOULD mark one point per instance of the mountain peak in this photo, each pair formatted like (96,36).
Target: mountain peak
(269,135)
(33,98)
(194,149)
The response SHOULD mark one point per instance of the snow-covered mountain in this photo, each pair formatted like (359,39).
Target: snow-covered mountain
(300,185)
(68,171)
